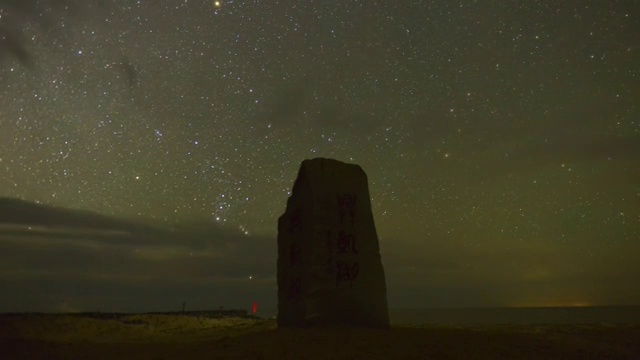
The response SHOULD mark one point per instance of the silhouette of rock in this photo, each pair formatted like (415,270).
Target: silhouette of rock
(329,266)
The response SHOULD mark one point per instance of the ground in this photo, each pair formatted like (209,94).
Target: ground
(185,337)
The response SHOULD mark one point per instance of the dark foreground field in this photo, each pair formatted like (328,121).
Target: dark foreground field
(184,337)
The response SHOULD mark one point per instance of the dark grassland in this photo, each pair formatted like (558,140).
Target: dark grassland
(43,336)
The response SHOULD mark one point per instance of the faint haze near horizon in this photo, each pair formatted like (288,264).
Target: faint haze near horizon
(499,140)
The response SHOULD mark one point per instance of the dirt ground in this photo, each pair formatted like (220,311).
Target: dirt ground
(182,337)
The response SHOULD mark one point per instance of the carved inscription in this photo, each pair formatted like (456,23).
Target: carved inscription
(329,242)
(295,254)
(344,268)
(330,264)
(347,207)
(346,272)
(294,291)
(346,243)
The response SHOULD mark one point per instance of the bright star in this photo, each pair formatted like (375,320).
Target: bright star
(216,4)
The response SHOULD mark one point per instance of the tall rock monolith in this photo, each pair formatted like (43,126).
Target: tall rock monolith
(329,265)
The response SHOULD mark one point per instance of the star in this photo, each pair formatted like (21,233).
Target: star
(172,113)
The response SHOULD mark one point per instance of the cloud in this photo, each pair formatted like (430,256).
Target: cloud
(47,269)
(313,104)
(441,273)
(285,109)
(112,264)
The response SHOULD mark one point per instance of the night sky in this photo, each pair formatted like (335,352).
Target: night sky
(501,140)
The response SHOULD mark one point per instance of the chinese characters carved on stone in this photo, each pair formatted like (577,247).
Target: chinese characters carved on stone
(346,272)
(295,290)
(347,207)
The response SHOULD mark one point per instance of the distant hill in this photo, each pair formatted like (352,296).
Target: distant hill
(20,212)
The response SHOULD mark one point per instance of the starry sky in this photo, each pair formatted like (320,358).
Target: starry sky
(500,139)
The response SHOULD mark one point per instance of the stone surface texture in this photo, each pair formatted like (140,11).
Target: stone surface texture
(329,266)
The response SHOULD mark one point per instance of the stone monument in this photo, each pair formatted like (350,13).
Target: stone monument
(329,266)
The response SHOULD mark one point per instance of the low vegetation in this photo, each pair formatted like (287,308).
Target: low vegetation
(190,337)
